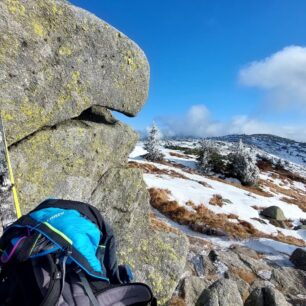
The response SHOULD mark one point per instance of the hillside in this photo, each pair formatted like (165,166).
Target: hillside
(220,212)
(279,147)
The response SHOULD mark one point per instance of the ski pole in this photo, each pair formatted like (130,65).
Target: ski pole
(14,190)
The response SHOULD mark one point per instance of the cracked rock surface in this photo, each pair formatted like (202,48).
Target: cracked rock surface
(58,60)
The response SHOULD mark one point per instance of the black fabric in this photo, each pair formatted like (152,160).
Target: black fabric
(51,296)
(88,289)
(18,286)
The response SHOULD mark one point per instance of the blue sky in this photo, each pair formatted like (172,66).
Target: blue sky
(201,54)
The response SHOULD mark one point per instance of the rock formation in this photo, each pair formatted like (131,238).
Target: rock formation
(237,276)
(62,71)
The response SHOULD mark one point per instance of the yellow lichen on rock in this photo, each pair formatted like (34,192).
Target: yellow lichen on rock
(5,115)
(15,7)
(130,60)
(64,51)
(38,29)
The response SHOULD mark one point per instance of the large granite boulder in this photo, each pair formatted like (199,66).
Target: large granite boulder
(298,258)
(68,160)
(266,296)
(158,257)
(192,287)
(274,212)
(223,292)
(57,60)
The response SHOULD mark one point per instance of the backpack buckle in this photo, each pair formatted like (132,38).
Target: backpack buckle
(57,275)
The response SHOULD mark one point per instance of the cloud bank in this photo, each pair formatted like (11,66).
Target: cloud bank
(282,76)
(199,122)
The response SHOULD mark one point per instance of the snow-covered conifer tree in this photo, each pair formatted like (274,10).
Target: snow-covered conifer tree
(152,144)
(243,164)
(210,159)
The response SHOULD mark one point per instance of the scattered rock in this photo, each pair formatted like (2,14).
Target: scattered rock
(213,255)
(274,212)
(193,287)
(260,283)
(204,229)
(289,281)
(223,292)
(198,264)
(298,258)
(265,274)
(266,296)
(238,249)
(300,227)
(242,285)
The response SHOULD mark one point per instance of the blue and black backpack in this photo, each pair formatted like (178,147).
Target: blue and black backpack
(63,253)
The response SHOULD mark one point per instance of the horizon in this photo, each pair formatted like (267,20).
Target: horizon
(217,68)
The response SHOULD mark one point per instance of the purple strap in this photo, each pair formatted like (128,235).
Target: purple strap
(5,259)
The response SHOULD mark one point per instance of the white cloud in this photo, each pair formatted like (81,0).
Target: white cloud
(198,122)
(282,75)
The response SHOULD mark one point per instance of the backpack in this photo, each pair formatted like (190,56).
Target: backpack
(63,253)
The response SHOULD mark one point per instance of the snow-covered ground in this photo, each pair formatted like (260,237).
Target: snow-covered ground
(291,152)
(191,186)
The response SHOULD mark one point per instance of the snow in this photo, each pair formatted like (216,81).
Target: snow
(137,152)
(275,251)
(183,190)
(270,246)
(299,185)
(242,201)
(187,162)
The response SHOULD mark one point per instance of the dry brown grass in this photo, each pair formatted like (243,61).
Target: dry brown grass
(289,239)
(176,301)
(281,173)
(282,224)
(288,200)
(216,200)
(159,225)
(198,242)
(291,196)
(180,155)
(289,223)
(149,168)
(233,216)
(247,276)
(251,189)
(202,219)
(204,184)
(191,204)
(260,220)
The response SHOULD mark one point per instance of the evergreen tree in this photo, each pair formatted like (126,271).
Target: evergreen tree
(152,144)
(243,165)
(210,159)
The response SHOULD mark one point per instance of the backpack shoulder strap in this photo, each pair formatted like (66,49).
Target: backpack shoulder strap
(87,288)
(53,273)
